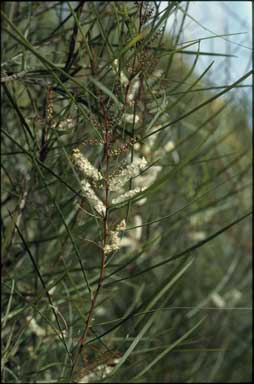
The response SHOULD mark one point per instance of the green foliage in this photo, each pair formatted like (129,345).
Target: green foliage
(172,302)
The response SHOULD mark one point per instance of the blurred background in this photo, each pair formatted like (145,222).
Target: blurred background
(206,19)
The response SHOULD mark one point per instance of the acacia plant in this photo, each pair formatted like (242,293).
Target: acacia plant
(125,187)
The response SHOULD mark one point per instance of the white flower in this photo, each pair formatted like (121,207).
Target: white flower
(93,198)
(141,201)
(128,117)
(127,173)
(128,195)
(157,73)
(85,166)
(150,141)
(35,327)
(121,226)
(154,77)
(218,300)
(148,177)
(115,241)
(133,89)
(169,147)
(200,218)
(137,223)
(52,290)
(137,146)
(134,235)
(111,248)
(233,296)
(100,311)
(198,236)
(123,78)
(100,372)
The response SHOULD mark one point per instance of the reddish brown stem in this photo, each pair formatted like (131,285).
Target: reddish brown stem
(105,235)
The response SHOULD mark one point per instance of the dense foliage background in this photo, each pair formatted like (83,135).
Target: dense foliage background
(175,301)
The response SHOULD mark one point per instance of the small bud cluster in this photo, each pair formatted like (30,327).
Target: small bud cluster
(147,10)
(113,119)
(123,148)
(50,105)
(94,121)
(92,142)
(67,123)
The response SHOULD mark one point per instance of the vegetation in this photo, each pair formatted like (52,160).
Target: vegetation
(126,200)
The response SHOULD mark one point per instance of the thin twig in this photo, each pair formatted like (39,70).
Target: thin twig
(105,236)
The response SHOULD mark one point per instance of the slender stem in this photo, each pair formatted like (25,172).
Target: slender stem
(105,236)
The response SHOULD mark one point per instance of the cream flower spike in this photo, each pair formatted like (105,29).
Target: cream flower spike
(123,78)
(84,165)
(115,241)
(93,198)
(128,195)
(127,173)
